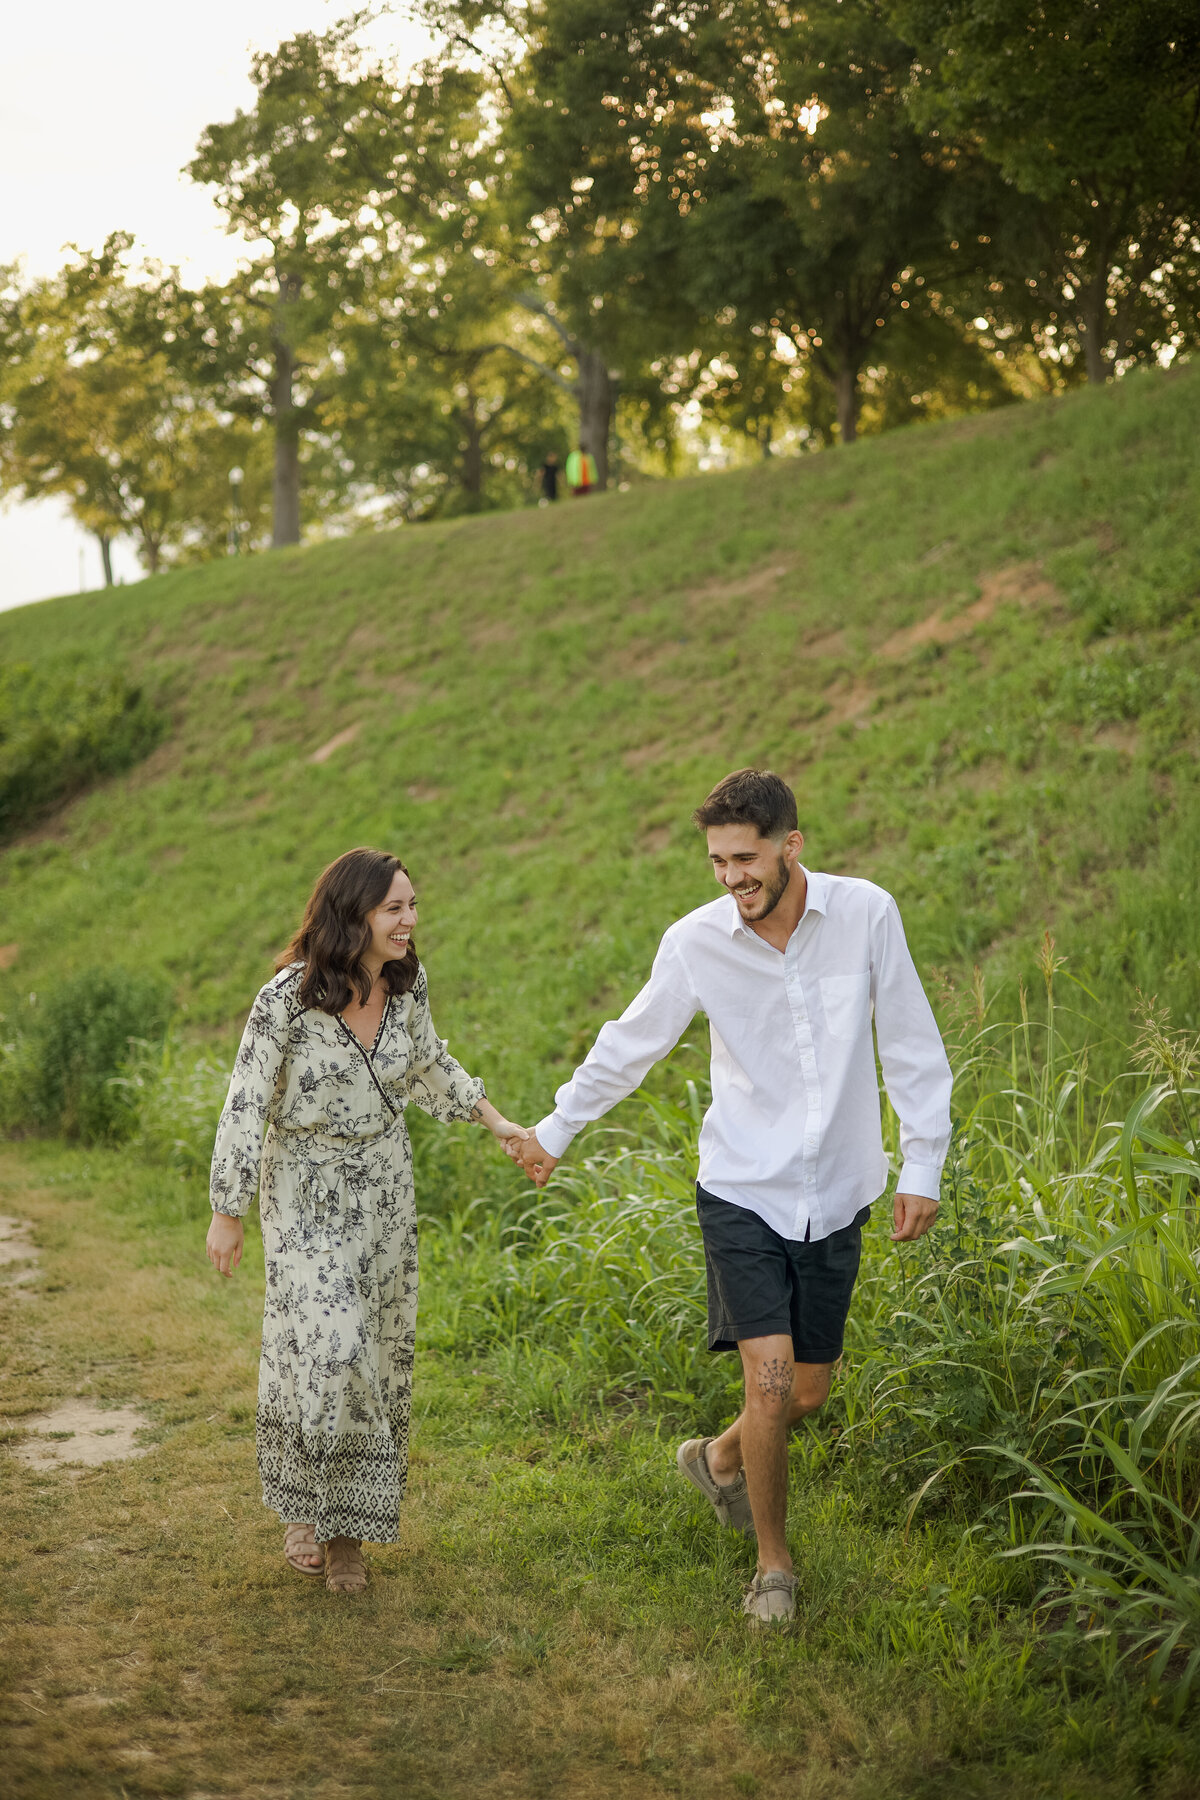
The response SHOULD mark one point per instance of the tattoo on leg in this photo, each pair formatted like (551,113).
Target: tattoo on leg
(775,1378)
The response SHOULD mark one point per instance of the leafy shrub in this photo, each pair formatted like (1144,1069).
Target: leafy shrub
(60,731)
(83,1036)
(176,1103)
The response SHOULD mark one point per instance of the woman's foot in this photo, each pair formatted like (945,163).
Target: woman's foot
(302,1550)
(345,1570)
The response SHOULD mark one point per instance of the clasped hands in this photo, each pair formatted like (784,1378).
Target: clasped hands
(521,1145)
(528,1154)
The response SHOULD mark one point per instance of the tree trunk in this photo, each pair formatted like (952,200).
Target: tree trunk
(845,387)
(1095,359)
(596,391)
(105,543)
(286,519)
(1095,326)
(472,459)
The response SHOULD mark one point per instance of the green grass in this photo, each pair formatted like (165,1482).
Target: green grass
(972,647)
(558,1617)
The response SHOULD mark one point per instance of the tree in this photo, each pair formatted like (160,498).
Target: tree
(819,210)
(753,167)
(325,176)
(561,186)
(1090,110)
(92,407)
(441,407)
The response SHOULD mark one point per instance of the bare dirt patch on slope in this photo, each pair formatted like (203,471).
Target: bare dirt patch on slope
(1020,583)
(337,742)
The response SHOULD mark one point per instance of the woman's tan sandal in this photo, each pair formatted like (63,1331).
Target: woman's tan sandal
(771,1599)
(300,1541)
(345,1570)
(730,1501)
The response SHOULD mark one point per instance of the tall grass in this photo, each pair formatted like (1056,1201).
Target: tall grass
(1030,1369)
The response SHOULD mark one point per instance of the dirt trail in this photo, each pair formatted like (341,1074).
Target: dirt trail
(77,1434)
(19,1262)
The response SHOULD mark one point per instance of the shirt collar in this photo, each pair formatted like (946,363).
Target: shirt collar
(816,900)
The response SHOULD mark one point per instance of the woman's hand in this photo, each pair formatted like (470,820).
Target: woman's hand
(223,1245)
(510,1137)
(506,1134)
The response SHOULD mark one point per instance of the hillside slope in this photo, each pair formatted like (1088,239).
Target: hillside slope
(972,647)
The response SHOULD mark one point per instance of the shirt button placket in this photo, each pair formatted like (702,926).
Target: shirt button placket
(807,1206)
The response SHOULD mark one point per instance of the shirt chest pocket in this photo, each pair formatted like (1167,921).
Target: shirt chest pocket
(846,1003)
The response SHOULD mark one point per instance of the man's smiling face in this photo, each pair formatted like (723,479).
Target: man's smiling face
(756,870)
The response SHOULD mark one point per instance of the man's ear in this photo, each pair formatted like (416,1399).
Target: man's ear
(793,844)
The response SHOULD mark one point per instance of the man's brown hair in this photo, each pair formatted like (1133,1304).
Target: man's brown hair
(750,797)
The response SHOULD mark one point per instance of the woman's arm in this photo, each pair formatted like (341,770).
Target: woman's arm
(439,1085)
(237,1153)
(502,1129)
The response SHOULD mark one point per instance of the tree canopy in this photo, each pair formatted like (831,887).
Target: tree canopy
(730,228)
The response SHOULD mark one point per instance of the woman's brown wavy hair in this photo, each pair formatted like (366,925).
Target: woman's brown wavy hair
(334,933)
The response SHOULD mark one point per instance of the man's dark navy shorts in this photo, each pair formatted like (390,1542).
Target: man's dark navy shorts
(764,1285)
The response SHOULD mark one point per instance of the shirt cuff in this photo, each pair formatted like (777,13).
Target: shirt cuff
(554,1134)
(922,1179)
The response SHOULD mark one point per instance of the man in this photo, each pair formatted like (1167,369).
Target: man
(548,478)
(789,966)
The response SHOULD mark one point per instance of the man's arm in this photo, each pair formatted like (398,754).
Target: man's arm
(618,1062)
(916,1074)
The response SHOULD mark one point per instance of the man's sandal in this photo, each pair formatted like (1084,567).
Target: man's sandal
(345,1570)
(298,1541)
(771,1599)
(730,1501)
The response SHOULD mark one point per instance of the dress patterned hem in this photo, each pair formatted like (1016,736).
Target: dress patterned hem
(339,1227)
(349,1486)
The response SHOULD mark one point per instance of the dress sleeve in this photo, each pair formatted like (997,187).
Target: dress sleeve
(237,1153)
(439,1086)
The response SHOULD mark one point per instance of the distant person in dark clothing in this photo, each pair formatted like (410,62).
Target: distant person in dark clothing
(581,472)
(549,473)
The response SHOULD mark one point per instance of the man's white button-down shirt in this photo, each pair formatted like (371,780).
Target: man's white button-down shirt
(794,1130)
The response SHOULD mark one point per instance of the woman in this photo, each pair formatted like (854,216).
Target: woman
(335,1048)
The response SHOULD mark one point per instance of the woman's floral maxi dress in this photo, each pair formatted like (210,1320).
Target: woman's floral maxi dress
(339,1234)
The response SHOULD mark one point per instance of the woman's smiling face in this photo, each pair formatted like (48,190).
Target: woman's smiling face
(392,923)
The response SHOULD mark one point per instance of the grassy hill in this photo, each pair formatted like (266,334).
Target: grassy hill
(972,648)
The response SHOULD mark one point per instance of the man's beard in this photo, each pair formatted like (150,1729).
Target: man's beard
(771,893)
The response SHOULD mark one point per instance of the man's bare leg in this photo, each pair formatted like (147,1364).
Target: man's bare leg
(779,1392)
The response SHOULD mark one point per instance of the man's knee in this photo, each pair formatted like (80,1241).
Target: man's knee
(769,1384)
(810,1389)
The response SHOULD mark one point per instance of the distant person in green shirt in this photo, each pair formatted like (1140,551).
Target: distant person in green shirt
(581,472)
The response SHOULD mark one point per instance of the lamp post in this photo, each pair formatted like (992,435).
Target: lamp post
(235,511)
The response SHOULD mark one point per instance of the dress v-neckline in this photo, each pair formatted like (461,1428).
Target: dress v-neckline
(368,1050)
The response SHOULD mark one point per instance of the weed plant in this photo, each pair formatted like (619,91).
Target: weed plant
(67,1070)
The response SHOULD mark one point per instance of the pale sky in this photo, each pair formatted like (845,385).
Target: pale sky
(102,107)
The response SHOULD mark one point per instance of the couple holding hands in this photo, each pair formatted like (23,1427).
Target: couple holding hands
(791,968)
